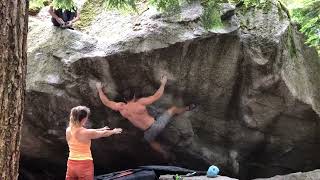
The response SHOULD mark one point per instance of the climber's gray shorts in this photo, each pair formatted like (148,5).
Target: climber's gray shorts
(156,128)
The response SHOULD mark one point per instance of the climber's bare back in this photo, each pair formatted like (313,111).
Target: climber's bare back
(137,114)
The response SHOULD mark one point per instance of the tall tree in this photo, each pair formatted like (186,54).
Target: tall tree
(13,60)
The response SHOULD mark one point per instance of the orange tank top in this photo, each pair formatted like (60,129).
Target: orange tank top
(79,150)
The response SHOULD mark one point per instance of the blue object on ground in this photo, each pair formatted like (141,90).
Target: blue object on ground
(213,171)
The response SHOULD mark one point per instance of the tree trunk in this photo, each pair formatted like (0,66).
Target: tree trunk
(13,60)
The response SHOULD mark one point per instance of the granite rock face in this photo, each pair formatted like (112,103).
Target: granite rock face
(256,86)
(312,175)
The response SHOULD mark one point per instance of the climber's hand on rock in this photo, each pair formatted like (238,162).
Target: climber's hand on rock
(99,85)
(163,79)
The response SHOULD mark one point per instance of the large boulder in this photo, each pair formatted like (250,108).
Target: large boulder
(255,86)
(279,95)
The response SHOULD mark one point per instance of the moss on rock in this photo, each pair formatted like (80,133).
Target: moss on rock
(35,7)
(90,10)
(291,43)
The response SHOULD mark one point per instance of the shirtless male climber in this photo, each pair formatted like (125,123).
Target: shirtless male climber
(136,112)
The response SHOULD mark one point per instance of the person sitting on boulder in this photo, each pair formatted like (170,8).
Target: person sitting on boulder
(80,163)
(135,111)
(64,17)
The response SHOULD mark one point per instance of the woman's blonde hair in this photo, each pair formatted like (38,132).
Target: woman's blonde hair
(77,114)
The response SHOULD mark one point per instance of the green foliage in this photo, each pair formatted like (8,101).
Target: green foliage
(211,16)
(121,4)
(308,17)
(167,5)
(64,4)
(266,5)
(36,4)
(250,3)
(89,11)
(162,5)
(247,3)
(57,4)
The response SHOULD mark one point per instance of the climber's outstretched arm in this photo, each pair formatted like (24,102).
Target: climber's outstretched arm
(116,106)
(155,96)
